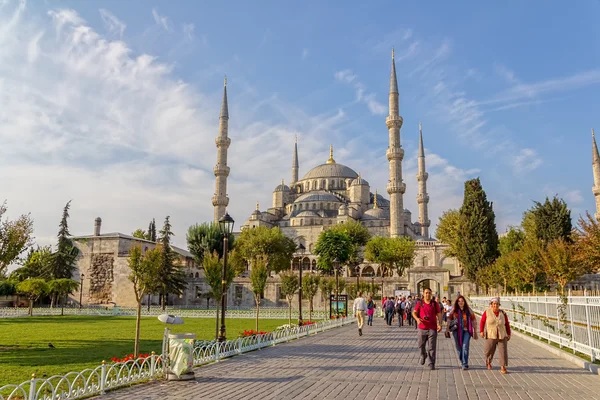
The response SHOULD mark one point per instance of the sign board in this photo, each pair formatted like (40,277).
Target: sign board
(338,306)
(401,293)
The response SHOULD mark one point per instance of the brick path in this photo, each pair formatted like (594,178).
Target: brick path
(382,364)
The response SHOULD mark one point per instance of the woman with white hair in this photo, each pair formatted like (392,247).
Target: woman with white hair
(495,328)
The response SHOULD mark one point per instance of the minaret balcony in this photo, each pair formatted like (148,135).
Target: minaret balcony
(394,187)
(422,198)
(220,200)
(395,153)
(422,176)
(394,121)
(426,224)
(222,141)
(221,171)
(596,190)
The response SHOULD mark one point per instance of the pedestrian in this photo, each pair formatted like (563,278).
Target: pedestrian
(495,328)
(370,310)
(359,308)
(408,310)
(428,315)
(462,323)
(389,310)
(383,300)
(400,311)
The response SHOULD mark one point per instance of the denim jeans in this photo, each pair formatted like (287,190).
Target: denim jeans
(370,319)
(463,351)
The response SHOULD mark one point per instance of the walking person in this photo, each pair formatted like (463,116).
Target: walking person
(359,308)
(370,310)
(428,315)
(462,324)
(400,304)
(408,310)
(495,328)
(389,310)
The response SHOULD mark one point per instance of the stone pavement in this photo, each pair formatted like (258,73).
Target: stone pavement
(382,364)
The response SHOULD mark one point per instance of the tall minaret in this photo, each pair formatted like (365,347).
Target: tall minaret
(422,197)
(295,163)
(221,170)
(395,154)
(596,169)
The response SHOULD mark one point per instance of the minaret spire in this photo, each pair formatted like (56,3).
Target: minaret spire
(220,200)
(596,170)
(395,154)
(375,200)
(422,196)
(295,163)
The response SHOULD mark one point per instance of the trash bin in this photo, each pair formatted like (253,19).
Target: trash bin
(181,356)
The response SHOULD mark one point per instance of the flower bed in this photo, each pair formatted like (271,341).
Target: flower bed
(252,332)
(129,358)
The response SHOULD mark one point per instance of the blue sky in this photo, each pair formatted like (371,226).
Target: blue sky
(114,104)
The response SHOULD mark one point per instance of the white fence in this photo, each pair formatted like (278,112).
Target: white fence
(265,313)
(77,385)
(577,327)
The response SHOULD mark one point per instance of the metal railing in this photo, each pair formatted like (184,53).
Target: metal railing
(96,381)
(574,324)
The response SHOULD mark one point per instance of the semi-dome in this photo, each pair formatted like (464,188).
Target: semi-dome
(376,213)
(318,195)
(307,213)
(330,171)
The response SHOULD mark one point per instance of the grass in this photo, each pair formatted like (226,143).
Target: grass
(84,341)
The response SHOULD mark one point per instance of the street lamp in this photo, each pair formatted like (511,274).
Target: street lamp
(336,265)
(373,286)
(301,250)
(226,228)
(81,291)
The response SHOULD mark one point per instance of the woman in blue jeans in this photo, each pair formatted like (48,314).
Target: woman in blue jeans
(461,322)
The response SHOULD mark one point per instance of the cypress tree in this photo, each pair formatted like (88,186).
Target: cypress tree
(552,220)
(172,276)
(66,253)
(152,230)
(478,246)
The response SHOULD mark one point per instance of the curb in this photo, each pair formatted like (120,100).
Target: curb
(582,363)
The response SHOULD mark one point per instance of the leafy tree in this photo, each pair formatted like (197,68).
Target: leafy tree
(151,234)
(353,289)
(144,272)
(34,289)
(331,245)
(207,238)
(327,286)
(512,241)
(60,289)
(289,287)
(587,241)
(258,280)
(172,277)
(478,244)
(528,264)
(552,220)
(66,253)
(15,237)
(310,287)
(391,253)
(213,273)
(270,245)
(140,234)
(560,263)
(448,231)
(528,225)
(359,236)
(7,288)
(38,263)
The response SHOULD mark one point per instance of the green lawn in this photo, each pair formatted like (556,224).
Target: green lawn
(83,342)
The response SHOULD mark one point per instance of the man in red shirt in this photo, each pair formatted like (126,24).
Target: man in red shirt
(428,315)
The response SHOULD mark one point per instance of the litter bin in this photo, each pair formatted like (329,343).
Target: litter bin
(181,356)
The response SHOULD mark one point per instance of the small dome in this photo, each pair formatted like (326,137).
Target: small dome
(307,213)
(319,195)
(376,213)
(359,181)
(343,207)
(282,188)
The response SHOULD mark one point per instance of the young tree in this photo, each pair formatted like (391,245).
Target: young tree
(38,264)
(270,245)
(34,289)
(258,280)
(552,220)
(310,287)
(140,234)
(213,274)
(60,289)
(391,253)
(289,287)
(478,244)
(207,238)
(512,241)
(66,253)
(359,236)
(172,277)
(327,286)
(144,271)
(331,245)
(560,263)
(528,264)
(15,237)
(587,242)
(447,231)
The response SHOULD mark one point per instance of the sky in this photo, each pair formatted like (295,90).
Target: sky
(114,105)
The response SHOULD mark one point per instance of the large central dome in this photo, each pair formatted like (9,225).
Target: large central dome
(331,171)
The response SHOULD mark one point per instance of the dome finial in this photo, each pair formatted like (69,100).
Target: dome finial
(331,160)
(257,209)
(375,199)
(282,182)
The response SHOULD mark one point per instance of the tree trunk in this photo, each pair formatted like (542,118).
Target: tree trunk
(310,305)
(290,311)
(52,301)
(257,299)
(136,346)
(30,307)
(62,307)
(148,297)
(217,323)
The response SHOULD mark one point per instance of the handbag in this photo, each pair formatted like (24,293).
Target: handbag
(453,325)
(447,335)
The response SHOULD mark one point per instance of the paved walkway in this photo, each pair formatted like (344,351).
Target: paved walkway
(382,364)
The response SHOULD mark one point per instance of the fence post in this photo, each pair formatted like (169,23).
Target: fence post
(32,387)
(570,299)
(152,364)
(589,329)
(103,378)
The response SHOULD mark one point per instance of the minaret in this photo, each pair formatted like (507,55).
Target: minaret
(422,197)
(295,163)
(395,154)
(596,169)
(221,170)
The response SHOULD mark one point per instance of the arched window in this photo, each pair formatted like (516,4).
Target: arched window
(425,261)
(314,206)
(314,265)
(323,184)
(197,275)
(332,184)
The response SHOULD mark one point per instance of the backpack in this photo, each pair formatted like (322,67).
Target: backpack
(399,307)
(389,305)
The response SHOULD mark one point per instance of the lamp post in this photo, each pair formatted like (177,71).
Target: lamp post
(373,286)
(336,265)
(226,227)
(301,250)
(81,291)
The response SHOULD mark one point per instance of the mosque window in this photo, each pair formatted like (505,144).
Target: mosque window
(197,275)
(323,184)
(314,206)
(425,261)
(332,184)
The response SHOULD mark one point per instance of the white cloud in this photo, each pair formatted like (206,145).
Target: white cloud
(526,160)
(407,34)
(348,77)
(305,53)
(112,24)
(161,20)
(188,31)
(506,74)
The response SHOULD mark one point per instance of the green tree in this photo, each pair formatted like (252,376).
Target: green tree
(205,239)
(269,245)
(151,234)
(310,287)
(552,220)
(140,234)
(289,287)
(478,244)
(34,289)
(258,281)
(15,237)
(331,245)
(172,277)
(144,271)
(327,286)
(587,241)
(512,241)
(391,253)
(60,289)
(447,231)
(66,253)
(38,264)
(213,273)
(527,263)
(561,264)
(359,236)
